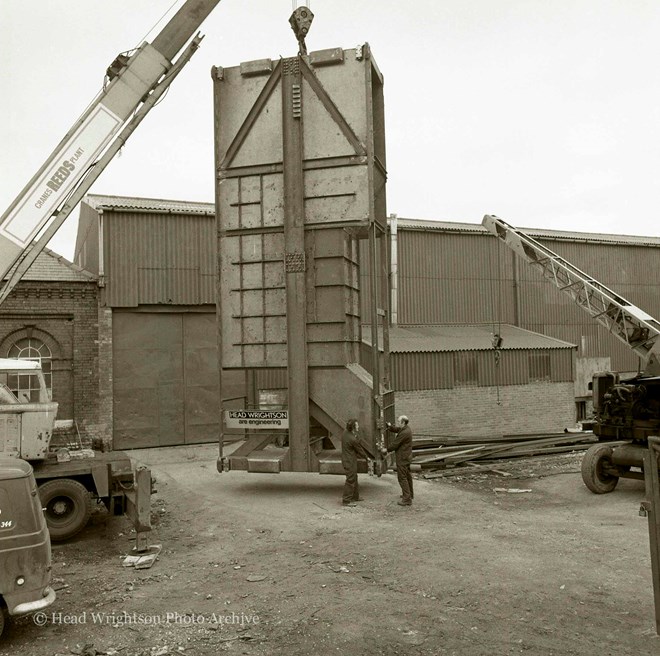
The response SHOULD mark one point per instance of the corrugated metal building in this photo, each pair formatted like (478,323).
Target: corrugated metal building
(464,356)
(451,381)
(155,260)
(446,272)
(457,272)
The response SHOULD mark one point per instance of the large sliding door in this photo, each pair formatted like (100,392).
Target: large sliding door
(165,379)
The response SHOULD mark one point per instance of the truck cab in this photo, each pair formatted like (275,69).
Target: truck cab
(25,553)
(27,412)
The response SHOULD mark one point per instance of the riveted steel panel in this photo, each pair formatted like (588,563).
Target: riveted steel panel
(300,164)
(340,110)
(253,303)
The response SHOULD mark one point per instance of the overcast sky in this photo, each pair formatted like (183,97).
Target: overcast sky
(544,112)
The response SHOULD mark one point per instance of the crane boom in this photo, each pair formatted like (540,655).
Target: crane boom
(54,191)
(637,329)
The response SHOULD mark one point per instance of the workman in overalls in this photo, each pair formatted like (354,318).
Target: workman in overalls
(351,449)
(402,446)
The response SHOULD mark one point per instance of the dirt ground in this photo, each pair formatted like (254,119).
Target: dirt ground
(259,564)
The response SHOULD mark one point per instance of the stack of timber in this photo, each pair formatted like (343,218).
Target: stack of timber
(431,453)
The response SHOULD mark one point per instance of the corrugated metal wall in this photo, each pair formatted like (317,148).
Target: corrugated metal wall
(450,278)
(269,379)
(468,277)
(417,371)
(629,270)
(153,258)
(86,253)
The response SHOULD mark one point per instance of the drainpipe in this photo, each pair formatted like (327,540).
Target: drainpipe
(101,262)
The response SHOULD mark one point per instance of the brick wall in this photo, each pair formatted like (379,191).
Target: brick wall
(104,427)
(474,411)
(64,316)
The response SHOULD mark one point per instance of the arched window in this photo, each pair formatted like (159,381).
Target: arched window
(26,386)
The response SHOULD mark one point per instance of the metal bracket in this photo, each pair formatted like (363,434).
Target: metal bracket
(138,507)
(297,100)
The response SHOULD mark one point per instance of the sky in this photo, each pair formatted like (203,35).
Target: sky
(544,113)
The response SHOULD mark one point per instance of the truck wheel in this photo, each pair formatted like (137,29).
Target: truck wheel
(3,619)
(594,462)
(68,507)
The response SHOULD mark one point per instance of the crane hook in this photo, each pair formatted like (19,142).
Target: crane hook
(300,21)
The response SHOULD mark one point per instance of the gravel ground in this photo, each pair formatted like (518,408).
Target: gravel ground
(258,564)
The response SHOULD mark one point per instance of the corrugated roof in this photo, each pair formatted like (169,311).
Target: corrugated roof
(452,337)
(591,237)
(51,267)
(132,203)
(98,202)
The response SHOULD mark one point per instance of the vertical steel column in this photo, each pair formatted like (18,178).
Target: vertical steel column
(651,505)
(385,304)
(294,264)
(216,74)
(374,270)
(394,270)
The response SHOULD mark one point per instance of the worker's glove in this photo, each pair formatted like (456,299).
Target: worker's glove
(383,452)
(388,424)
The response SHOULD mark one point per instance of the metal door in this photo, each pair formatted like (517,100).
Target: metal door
(165,379)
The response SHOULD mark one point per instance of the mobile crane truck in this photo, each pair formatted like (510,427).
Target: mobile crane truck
(136,80)
(626,409)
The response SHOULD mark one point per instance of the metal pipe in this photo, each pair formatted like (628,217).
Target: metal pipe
(629,455)
(394,271)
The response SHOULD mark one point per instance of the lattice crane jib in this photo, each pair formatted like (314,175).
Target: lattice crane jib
(627,322)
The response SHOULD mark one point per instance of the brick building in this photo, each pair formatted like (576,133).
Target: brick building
(52,316)
(452,382)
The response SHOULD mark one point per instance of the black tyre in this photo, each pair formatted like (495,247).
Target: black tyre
(68,507)
(3,619)
(596,460)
